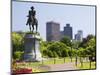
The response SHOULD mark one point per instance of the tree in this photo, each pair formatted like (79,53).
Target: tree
(50,54)
(58,48)
(66,40)
(17,43)
(85,41)
(64,53)
(91,42)
(90,49)
(18,55)
(81,52)
(44,53)
(89,37)
(91,52)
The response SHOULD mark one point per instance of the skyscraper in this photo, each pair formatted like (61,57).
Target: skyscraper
(52,31)
(79,35)
(68,31)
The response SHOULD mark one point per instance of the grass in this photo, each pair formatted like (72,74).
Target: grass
(49,61)
(37,65)
(43,63)
(57,61)
(86,65)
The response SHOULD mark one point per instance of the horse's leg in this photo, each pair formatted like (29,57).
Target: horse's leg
(36,27)
(33,27)
(30,27)
(36,24)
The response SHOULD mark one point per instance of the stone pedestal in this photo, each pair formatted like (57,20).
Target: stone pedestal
(32,44)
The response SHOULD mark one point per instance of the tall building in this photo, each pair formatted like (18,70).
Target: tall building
(68,31)
(52,31)
(79,35)
(61,34)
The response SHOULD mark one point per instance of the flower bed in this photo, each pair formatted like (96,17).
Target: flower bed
(22,71)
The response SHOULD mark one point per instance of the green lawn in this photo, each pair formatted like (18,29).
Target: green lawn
(46,62)
(86,65)
(57,61)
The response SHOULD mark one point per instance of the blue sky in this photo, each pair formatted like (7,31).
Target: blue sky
(79,17)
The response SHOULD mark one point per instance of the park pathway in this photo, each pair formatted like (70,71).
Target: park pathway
(59,67)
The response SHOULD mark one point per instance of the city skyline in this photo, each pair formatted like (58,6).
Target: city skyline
(68,31)
(80,17)
(52,31)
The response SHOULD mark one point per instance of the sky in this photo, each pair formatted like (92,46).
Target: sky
(79,17)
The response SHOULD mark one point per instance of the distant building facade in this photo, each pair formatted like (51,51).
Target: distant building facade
(52,31)
(79,35)
(61,34)
(68,31)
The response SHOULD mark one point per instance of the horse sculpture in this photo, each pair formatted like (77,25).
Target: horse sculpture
(32,21)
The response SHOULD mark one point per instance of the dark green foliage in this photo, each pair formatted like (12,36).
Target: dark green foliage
(18,55)
(66,40)
(44,53)
(59,49)
(17,44)
(50,54)
(72,53)
(88,47)
(89,37)
(64,48)
(64,53)
(85,41)
(53,49)
(81,52)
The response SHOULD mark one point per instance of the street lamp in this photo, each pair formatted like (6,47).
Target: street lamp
(76,55)
(71,51)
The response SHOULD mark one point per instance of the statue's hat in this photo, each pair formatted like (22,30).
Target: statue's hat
(32,7)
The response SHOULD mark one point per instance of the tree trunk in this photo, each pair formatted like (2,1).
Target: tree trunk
(54,60)
(64,59)
(76,61)
(90,64)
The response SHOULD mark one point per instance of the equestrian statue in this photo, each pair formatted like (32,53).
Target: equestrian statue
(32,21)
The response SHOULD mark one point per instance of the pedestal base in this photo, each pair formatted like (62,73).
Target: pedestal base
(32,44)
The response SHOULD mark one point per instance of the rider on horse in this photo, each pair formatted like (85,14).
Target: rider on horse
(31,19)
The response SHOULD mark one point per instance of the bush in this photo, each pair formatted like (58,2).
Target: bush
(58,49)
(18,55)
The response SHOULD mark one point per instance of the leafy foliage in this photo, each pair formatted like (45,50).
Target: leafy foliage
(88,47)
(66,40)
(18,55)
(17,44)
(58,49)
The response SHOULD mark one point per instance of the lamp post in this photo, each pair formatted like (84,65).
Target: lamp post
(76,58)
(76,53)
(71,50)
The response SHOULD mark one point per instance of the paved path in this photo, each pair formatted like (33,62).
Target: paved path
(59,67)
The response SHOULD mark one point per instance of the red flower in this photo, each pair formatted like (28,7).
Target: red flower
(23,71)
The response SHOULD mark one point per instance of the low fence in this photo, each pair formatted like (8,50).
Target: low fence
(77,61)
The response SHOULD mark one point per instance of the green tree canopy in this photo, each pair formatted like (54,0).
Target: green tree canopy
(17,44)
(85,41)
(88,47)
(58,48)
(18,55)
(66,40)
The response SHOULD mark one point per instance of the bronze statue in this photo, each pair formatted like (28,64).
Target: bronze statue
(32,21)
